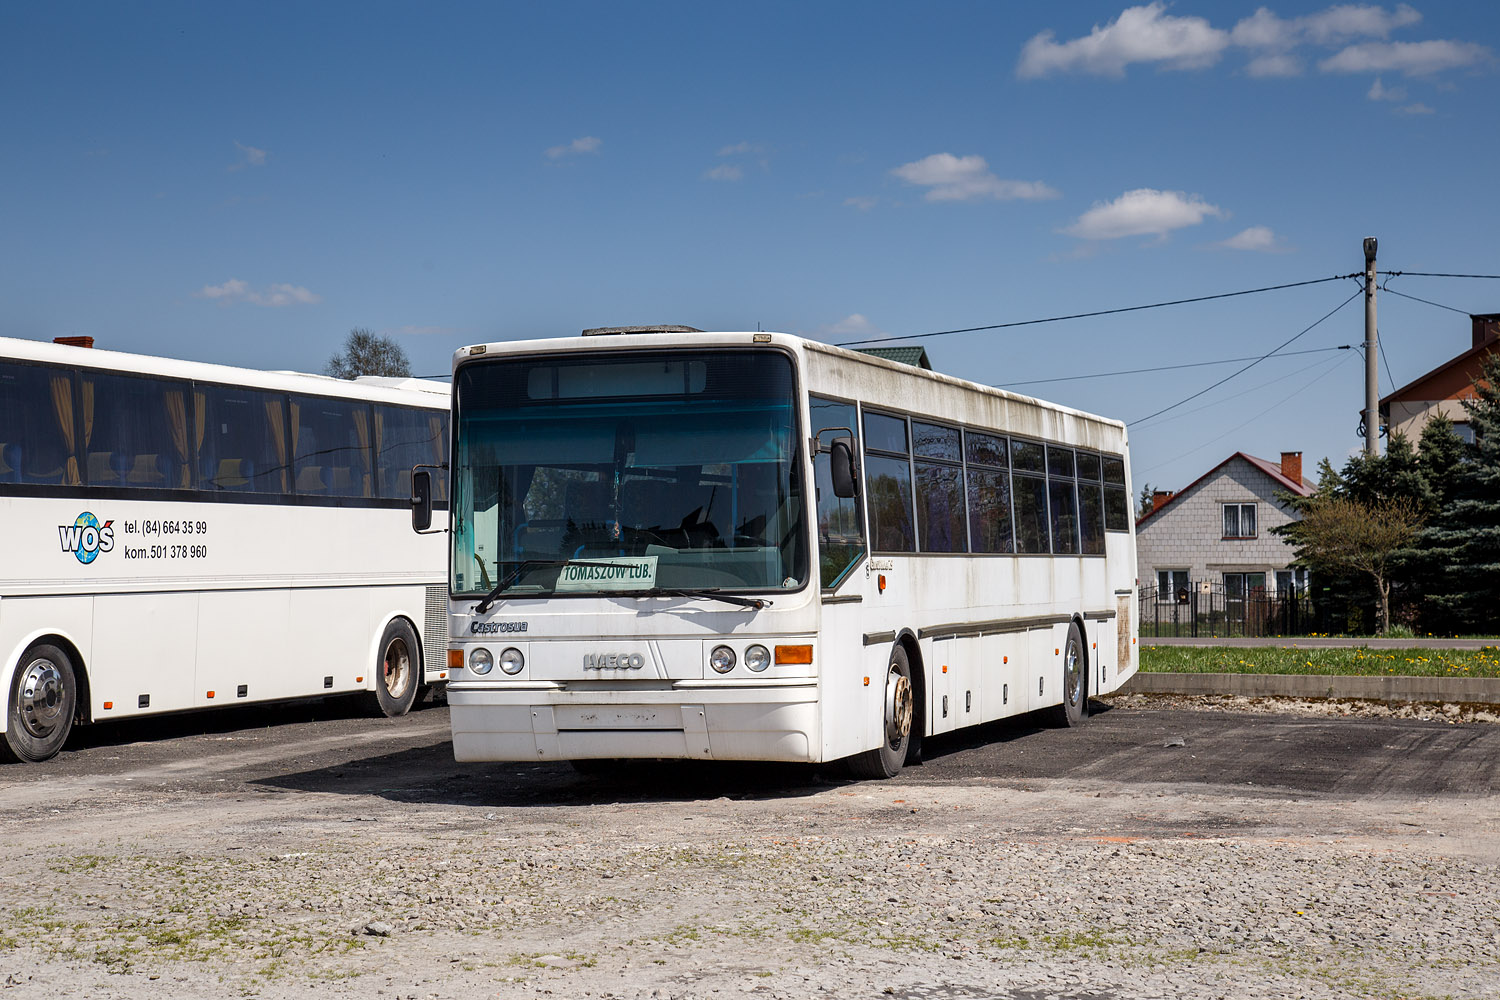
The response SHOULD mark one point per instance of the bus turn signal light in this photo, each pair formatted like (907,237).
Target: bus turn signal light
(455,659)
(794,654)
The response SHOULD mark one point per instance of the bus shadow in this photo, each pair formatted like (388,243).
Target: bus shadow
(219,721)
(935,748)
(429,776)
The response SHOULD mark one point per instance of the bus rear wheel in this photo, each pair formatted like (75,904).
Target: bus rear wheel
(398,669)
(1075,706)
(43,699)
(897,708)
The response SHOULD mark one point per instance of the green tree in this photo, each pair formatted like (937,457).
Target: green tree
(1465,536)
(368,353)
(1145,501)
(1347,535)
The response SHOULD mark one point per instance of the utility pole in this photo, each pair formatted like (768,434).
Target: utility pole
(1372,371)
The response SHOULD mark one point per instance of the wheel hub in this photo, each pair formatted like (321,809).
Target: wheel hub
(41,698)
(898,707)
(397,673)
(1072,678)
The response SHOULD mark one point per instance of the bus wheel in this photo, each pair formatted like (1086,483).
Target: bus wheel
(896,721)
(43,697)
(1075,706)
(396,680)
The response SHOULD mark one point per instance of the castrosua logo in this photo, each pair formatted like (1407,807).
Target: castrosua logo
(86,537)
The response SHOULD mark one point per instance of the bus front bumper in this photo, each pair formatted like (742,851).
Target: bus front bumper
(776,722)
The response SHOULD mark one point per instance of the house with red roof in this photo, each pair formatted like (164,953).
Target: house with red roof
(1443,390)
(1214,535)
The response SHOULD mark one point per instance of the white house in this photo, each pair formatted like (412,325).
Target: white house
(1217,532)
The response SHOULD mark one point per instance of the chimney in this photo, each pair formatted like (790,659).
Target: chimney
(1486,327)
(1159,499)
(89,341)
(1291,466)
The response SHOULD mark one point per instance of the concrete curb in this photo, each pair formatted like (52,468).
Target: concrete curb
(1320,642)
(1469,690)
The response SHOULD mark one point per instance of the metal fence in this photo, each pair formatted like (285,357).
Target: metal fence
(1206,610)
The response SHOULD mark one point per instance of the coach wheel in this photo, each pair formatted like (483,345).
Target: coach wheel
(1075,706)
(396,680)
(43,697)
(896,721)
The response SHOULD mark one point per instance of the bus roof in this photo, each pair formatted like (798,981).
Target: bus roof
(377,389)
(799,345)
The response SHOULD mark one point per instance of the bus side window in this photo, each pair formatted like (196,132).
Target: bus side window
(136,432)
(407,437)
(841,537)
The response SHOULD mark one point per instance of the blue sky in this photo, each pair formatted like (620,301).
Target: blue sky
(244,183)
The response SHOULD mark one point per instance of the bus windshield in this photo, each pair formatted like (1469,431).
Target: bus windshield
(680,469)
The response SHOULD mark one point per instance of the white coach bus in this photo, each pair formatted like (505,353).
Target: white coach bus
(180,535)
(749,546)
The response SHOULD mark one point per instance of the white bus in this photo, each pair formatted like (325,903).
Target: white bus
(180,535)
(749,546)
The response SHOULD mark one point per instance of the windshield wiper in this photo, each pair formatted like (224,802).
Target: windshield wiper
(521,568)
(712,593)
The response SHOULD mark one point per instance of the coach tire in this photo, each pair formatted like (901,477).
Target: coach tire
(897,702)
(43,699)
(1075,689)
(398,669)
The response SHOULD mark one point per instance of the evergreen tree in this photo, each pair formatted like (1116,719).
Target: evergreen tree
(1466,534)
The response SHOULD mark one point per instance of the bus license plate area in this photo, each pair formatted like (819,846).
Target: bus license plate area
(617,717)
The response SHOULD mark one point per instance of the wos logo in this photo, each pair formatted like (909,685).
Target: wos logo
(86,537)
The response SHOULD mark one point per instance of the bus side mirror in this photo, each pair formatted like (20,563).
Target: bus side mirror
(421,500)
(841,467)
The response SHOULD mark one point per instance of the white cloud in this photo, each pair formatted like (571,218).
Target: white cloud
(855,325)
(1139,35)
(1142,212)
(583,144)
(1276,64)
(740,148)
(1410,58)
(249,157)
(235,290)
(967,178)
(1149,35)
(724,172)
(864,204)
(1259,238)
(1380,92)
(1416,109)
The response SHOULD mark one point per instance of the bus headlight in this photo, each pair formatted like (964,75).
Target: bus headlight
(480,660)
(511,661)
(721,659)
(757,658)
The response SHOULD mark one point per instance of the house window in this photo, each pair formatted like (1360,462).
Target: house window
(1239,520)
(1464,430)
(1172,586)
(1290,582)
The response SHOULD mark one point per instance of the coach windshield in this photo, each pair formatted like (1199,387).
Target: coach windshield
(628,473)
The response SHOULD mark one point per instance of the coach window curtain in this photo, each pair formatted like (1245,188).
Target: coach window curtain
(362,432)
(62,407)
(277,422)
(175,402)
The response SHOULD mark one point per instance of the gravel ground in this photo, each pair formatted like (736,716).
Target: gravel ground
(303,865)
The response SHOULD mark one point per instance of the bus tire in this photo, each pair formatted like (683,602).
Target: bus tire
(897,705)
(43,700)
(1075,683)
(398,669)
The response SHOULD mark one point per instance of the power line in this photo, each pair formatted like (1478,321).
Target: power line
(1428,302)
(1357,293)
(1248,391)
(1163,368)
(1088,315)
(1331,368)
(1434,274)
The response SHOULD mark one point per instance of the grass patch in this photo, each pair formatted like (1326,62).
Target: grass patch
(1351,661)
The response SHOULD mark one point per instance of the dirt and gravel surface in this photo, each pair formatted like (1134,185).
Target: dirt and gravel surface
(1168,848)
